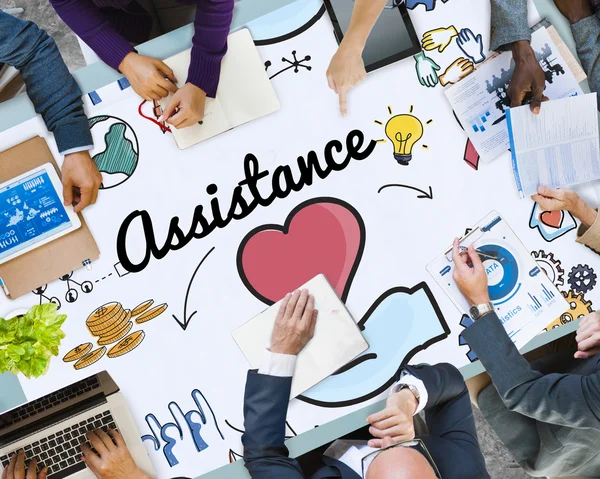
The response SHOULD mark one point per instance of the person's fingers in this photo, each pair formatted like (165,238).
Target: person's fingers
(282,307)
(386,423)
(422,80)
(5,473)
(180,115)
(375,443)
(181,121)
(460,259)
(402,432)
(84,200)
(97,443)
(313,322)
(43,474)
(516,97)
(343,102)
(160,91)
(166,85)
(169,109)
(380,415)
(90,457)
(289,311)
(166,71)
(300,305)
(587,354)
(475,259)
(330,80)
(11,465)
(31,470)
(307,314)
(67,190)
(106,439)
(117,438)
(592,341)
(538,96)
(19,469)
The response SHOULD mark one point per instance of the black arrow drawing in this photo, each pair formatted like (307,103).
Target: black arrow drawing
(423,195)
(186,318)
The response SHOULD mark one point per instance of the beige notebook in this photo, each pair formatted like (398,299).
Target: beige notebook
(336,342)
(245,92)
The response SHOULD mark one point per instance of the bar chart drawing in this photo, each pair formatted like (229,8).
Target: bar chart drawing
(478,123)
(546,295)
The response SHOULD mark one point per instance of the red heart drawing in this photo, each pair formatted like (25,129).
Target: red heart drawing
(552,218)
(322,235)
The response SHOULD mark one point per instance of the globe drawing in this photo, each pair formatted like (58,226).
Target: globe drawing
(116,149)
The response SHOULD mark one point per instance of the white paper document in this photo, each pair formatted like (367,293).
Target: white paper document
(245,92)
(480,100)
(336,342)
(558,147)
(524,298)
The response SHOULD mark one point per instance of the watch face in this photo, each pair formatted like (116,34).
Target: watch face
(474,312)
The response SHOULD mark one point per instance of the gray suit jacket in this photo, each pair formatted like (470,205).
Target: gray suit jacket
(509,24)
(547,413)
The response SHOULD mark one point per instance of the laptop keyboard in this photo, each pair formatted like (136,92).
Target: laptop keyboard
(61,451)
(52,400)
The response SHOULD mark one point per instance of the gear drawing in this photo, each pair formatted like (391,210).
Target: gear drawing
(582,278)
(578,308)
(551,266)
(465,322)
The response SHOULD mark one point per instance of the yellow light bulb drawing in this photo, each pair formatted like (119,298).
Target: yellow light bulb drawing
(404,131)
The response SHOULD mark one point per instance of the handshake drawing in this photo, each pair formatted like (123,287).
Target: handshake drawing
(439,39)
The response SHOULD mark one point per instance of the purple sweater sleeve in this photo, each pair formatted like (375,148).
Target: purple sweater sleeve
(99,28)
(213,20)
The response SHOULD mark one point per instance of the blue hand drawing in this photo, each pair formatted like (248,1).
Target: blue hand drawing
(471,45)
(162,431)
(400,323)
(194,419)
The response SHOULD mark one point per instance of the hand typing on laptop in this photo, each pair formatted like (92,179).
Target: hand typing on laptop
(110,459)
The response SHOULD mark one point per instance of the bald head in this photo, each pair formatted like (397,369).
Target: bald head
(400,463)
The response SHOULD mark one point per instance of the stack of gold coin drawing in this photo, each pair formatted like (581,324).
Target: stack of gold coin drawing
(110,323)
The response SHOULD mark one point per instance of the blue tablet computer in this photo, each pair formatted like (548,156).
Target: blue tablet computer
(32,212)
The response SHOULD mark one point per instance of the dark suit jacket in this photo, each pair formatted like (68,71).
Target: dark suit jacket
(547,413)
(452,439)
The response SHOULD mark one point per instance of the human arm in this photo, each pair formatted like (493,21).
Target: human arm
(347,69)
(585,27)
(564,399)
(111,459)
(50,86)
(556,199)
(268,391)
(212,23)
(55,96)
(510,31)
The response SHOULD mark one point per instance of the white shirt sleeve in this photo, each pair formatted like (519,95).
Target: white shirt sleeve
(409,379)
(77,150)
(275,364)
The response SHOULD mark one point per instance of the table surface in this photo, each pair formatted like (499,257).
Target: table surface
(92,77)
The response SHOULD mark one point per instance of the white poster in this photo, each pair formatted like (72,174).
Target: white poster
(202,240)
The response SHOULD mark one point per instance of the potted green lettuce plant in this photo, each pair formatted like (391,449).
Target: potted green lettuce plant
(29,340)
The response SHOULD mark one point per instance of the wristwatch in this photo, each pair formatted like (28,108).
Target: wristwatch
(478,310)
(412,389)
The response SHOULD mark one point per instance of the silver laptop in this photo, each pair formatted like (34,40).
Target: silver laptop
(52,428)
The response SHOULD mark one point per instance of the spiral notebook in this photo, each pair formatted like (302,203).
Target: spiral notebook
(336,342)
